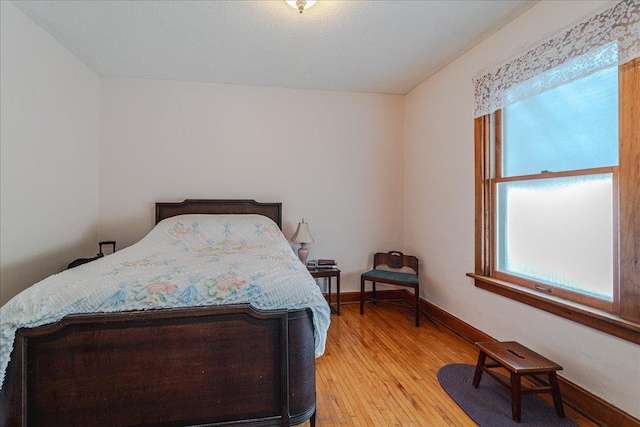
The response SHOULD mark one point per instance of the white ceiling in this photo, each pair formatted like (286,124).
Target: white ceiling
(350,45)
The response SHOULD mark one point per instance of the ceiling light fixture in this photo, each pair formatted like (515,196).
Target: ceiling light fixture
(301,4)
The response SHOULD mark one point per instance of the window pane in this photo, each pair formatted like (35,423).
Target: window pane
(558,231)
(571,127)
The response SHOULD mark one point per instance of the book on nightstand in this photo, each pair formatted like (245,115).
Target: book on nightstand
(322,264)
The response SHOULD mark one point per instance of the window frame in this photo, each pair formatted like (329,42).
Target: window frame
(610,306)
(622,317)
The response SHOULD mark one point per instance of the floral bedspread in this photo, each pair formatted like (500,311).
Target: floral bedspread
(187,260)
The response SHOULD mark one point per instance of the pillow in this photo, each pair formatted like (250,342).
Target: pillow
(218,228)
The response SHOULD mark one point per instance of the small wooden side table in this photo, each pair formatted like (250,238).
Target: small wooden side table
(327,274)
(519,361)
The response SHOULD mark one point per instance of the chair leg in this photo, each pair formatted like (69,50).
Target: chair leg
(516,399)
(361,295)
(373,292)
(477,377)
(557,398)
(417,291)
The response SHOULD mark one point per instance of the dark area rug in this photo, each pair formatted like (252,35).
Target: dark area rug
(489,405)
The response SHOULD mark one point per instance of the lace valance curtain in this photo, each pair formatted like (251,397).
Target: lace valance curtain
(610,38)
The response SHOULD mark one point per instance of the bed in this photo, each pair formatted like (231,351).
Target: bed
(218,336)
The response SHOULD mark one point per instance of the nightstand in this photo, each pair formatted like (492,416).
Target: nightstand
(327,274)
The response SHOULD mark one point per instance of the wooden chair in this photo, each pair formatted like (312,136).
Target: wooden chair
(394,260)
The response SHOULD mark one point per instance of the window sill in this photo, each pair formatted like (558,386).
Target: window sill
(594,318)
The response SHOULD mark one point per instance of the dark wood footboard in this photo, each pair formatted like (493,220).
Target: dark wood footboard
(218,366)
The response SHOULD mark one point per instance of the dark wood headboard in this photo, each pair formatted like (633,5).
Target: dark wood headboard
(220,206)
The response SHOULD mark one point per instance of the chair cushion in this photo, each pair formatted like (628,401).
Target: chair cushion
(395,276)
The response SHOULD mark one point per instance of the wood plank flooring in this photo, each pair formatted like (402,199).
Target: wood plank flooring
(380,370)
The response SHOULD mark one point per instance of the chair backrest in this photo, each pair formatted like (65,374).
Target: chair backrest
(396,259)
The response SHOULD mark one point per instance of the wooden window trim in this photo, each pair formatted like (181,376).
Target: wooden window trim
(545,175)
(588,316)
(625,323)
(629,206)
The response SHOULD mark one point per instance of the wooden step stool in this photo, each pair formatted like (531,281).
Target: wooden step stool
(519,361)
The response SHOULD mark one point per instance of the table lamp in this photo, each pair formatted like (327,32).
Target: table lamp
(303,237)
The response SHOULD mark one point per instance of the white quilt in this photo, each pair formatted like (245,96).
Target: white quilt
(187,260)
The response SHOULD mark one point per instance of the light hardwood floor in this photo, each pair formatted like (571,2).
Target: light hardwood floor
(380,370)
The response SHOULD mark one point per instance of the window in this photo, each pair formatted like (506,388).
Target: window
(553,191)
(557,174)
(557,200)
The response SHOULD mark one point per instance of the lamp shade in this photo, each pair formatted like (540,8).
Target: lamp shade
(302,234)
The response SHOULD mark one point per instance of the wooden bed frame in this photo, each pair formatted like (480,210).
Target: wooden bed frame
(214,366)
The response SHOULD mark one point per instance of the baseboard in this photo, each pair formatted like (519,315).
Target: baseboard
(596,409)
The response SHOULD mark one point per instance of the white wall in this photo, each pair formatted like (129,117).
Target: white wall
(334,158)
(48,153)
(439,211)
